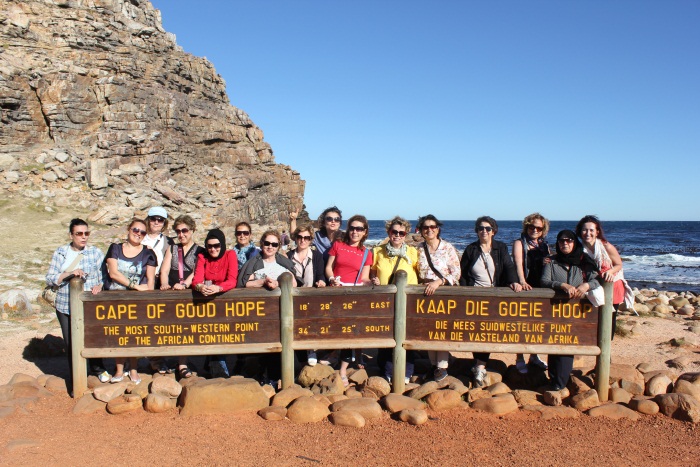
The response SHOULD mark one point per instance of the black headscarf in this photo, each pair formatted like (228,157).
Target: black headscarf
(215,234)
(577,257)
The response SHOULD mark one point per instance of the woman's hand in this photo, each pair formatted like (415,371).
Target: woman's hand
(335,282)
(375,281)
(525,285)
(572,291)
(97,289)
(141,287)
(270,283)
(210,290)
(516,287)
(432,286)
(321,284)
(608,276)
(165,287)
(179,286)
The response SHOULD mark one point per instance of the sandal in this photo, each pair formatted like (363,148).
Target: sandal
(185,373)
(117,379)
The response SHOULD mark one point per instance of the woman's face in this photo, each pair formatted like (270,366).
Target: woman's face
(243,235)
(430,230)
(303,240)
(270,245)
(589,233)
(485,232)
(155,224)
(566,245)
(397,235)
(184,234)
(356,232)
(332,221)
(213,246)
(535,229)
(136,233)
(79,236)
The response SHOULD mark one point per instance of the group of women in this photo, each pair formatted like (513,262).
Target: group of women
(148,258)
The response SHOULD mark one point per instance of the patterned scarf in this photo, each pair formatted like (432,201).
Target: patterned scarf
(401,252)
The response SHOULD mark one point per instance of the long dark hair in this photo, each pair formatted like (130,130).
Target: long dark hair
(357,218)
(322,219)
(598,225)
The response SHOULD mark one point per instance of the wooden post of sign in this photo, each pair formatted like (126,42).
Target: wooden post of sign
(400,333)
(602,372)
(287,329)
(77,338)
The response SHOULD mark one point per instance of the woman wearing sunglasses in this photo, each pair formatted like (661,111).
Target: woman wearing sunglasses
(529,253)
(329,230)
(216,272)
(486,263)
(574,272)
(75,259)
(349,262)
(155,239)
(438,265)
(390,258)
(308,270)
(263,271)
(130,265)
(177,272)
(244,247)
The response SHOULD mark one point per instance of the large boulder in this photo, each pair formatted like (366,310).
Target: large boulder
(107,392)
(548,413)
(289,395)
(168,387)
(88,404)
(643,405)
(614,411)
(413,416)
(368,408)
(222,396)
(444,399)
(158,403)
(378,385)
(679,406)
(397,402)
(121,405)
(497,405)
(273,413)
(347,418)
(585,400)
(311,375)
(306,409)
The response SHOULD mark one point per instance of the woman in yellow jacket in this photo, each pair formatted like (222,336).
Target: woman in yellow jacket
(389,258)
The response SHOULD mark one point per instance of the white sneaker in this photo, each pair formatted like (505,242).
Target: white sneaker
(104,377)
(311,359)
(479,376)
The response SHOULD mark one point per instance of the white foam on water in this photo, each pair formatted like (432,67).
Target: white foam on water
(663,269)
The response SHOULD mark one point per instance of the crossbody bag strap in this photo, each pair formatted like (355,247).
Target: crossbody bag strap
(181,263)
(430,262)
(393,273)
(359,273)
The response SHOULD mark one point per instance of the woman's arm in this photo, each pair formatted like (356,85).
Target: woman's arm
(150,279)
(509,273)
(199,269)
(454,270)
(609,275)
(55,276)
(165,269)
(231,271)
(329,272)
(114,274)
(364,277)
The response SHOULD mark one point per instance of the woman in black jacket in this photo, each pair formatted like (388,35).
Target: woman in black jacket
(486,263)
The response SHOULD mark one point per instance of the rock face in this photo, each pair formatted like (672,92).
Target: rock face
(100,107)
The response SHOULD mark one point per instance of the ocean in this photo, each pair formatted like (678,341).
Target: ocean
(661,255)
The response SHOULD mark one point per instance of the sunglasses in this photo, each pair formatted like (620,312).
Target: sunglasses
(400,233)
(213,246)
(356,228)
(566,240)
(430,227)
(306,238)
(333,219)
(82,234)
(183,231)
(272,244)
(481,228)
(243,233)
(138,231)
(535,228)
(157,219)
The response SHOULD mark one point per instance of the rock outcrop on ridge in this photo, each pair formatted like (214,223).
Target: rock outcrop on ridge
(102,110)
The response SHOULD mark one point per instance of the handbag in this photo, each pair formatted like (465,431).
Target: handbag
(51,291)
(596,296)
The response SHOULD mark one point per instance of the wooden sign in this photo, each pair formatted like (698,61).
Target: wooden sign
(165,321)
(344,317)
(501,320)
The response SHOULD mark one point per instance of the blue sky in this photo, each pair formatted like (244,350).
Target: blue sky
(462,108)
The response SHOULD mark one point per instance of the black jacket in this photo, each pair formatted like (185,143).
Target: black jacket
(318,265)
(504,274)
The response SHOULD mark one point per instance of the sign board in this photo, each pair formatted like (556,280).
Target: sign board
(501,320)
(336,317)
(222,320)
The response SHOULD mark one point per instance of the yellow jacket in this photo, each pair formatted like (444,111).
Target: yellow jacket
(384,265)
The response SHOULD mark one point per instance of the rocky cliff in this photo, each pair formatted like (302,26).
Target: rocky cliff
(101,109)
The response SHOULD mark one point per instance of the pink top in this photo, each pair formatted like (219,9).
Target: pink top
(222,272)
(348,260)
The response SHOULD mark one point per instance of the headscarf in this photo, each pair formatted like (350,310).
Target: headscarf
(576,257)
(215,234)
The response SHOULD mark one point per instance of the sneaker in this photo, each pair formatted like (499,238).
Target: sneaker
(479,376)
(388,370)
(104,377)
(521,366)
(439,374)
(535,360)
(218,369)
(311,358)
(407,380)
